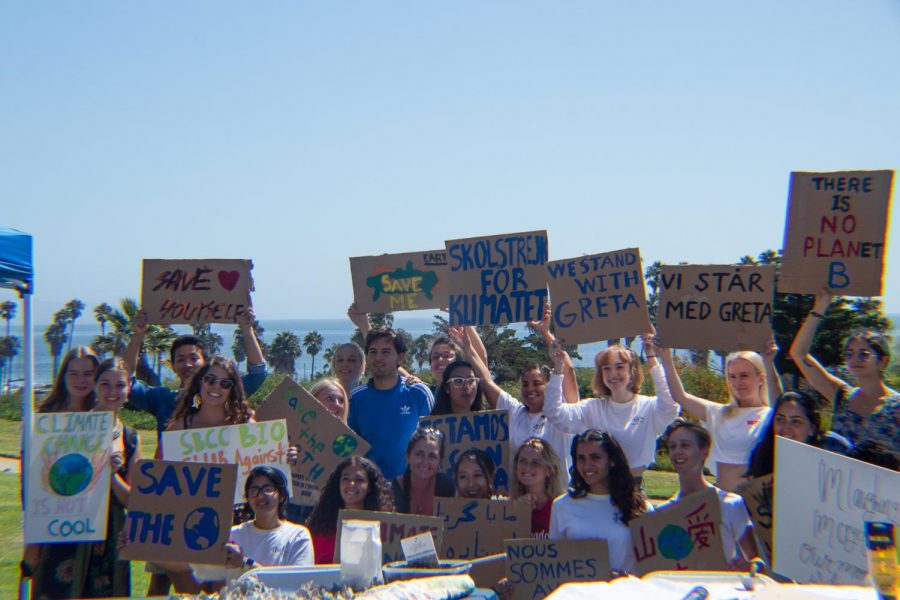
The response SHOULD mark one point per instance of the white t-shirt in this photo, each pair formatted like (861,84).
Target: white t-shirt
(594,517)
(524,425)
(735,520)
(635,424)
(286,545)
(734,436)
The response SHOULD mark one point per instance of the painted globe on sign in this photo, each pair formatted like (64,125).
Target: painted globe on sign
(201,528)
(70,475)
(674,542)
(344,445)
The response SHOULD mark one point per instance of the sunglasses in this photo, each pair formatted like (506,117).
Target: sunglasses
(225,384)
(861,355)
(459,382)
(268,490)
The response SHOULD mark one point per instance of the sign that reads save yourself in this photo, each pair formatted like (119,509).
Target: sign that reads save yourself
(196,291)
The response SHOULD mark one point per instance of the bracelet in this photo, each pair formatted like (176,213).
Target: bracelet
(248,563)
(817,314)
(650,355)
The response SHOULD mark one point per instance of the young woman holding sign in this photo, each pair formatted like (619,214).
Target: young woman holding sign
(474,474)
(735,427)
(356,483)
(423,481)
(634,420)
(526,416)
(603,498)
(870,411)
(688,444)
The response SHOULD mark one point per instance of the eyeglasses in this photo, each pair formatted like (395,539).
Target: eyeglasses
(459,382)
(253,491)
(861,355)
(225,384)
(444,355)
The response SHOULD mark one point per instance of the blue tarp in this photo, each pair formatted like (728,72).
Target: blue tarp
(16,266)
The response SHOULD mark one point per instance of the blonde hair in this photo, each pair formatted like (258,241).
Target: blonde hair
(548,459)
(605,357)
(333,381)
(757,361)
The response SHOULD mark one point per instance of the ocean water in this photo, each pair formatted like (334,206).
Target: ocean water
(332,330)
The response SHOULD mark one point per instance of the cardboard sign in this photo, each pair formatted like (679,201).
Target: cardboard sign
(394,527)
(247,445)
(68,477)
(392,282)
(476,528)
(497,279)
(599,297)
(179,511)
(486,430)
(821,502)
(836,233)
(684,535)
(757,495)
(719,307)
(196,291)
(537,567)
(323,440)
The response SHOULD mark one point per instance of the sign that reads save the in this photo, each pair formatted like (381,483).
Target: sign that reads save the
(836,233)
(537,567)
(68,477)
(599,297)
(196,291)
(476,528)
(394,528)
(179,512)
(497,279)
(246,445)
(822,500)
(486,430)
(392,282)
(322,440)
(718,307)
(683,535)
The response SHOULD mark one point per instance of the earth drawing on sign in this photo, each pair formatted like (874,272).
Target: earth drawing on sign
(403,281)
(201,528)
(70,475)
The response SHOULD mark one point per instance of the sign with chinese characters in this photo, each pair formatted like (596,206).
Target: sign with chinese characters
(685,535)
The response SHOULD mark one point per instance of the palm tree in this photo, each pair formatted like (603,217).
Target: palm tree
(284,352)
(7,313)
(56,337)
(212,341)
(73,309)
(328,357)
(238,349)
(157,341)
(312,343)
(101,314)
(420,349)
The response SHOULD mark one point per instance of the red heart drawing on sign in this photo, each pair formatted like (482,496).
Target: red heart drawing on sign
(229,279)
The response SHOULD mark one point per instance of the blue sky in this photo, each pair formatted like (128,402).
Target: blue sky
(299,134)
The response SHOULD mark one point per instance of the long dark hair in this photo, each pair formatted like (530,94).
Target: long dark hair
(237,409)
(277,479)
(762,460)
(59,394)
(421,433)
(442,404)
(484,462)
(323,519)
(624,493)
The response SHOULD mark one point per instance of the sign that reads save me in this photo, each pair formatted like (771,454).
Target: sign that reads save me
(537,567)
(486,430)
(719,307)
(683,535)
(392,282)
(476,528)
(196,291)
(394,527)
(497,279)
(599,297)
(822,500)
(68,477)
(179,512)
(246,445)
(322,440)
(836,233)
